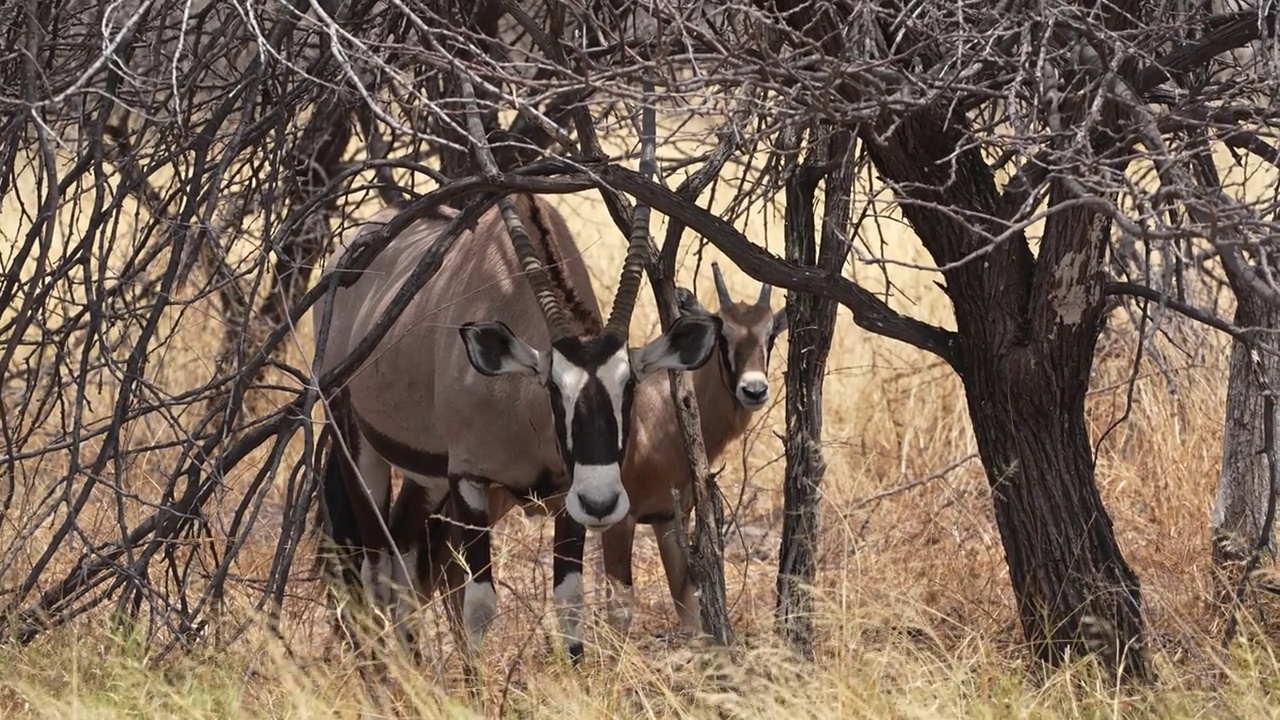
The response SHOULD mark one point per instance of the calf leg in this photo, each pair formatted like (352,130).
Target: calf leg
(675,561)
(617,543)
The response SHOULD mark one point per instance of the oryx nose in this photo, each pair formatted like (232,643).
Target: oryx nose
(600,507)
(755,391)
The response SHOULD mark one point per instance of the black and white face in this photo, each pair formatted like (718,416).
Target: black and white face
(590,384)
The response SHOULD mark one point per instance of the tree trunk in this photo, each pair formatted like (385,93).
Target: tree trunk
(811,322)
(706,552)
(1244,486)
(1074,590)
(1028,326)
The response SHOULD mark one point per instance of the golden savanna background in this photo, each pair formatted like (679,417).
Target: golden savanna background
(916,615)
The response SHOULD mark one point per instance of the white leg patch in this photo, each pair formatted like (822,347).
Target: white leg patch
(569,601)
(401,583)
(437,487)
(401,594)
(479,608)
(374,578)
(621,605)
(474,494)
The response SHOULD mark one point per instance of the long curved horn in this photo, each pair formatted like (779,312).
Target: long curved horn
(765,291)
(624,303)
(557,325)
(721,291)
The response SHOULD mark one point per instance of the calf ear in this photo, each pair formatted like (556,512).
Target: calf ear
(494,350)
(688,302)
(779,322)
(686,346)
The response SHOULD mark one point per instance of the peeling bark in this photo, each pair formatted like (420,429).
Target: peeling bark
(1028,327)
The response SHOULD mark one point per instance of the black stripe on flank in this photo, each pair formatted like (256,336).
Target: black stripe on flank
(544,488)
(405,457)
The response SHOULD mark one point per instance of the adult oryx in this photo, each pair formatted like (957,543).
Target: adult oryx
(491,379)
(729,393)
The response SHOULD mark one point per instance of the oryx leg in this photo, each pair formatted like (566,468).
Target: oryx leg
(566,568)
(617,543)
(675,561)
(368,491)
(417,538)
(417,529)
(479,598)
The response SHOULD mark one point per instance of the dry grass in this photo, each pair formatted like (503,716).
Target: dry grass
(916,614)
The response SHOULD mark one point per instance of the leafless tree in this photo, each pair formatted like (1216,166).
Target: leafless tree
(168,164)
(1243,521)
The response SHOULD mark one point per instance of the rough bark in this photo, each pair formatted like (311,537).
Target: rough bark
(706,552)
(1027,327)
(811,322)
(1244,486)
(1073,587)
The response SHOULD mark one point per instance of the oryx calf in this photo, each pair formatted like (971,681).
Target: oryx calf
(729,392)
(488,380)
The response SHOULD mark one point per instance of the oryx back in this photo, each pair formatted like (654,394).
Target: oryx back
(417,398)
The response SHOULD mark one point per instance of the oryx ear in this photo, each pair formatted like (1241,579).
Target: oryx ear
(688,303)
(494,350)
(686,346)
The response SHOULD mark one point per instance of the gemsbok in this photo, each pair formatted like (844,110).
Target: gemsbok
(488,380)
(729,393)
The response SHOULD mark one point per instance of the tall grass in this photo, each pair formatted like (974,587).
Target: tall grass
(916,617)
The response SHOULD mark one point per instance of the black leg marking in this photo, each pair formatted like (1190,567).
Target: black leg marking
(479,599)
(474,531)
(569,543)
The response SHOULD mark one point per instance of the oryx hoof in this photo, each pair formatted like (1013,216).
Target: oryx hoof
(576,652)
(619,617)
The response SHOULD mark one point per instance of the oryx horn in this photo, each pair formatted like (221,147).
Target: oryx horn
(721,291)
(624,302)
(557,325)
